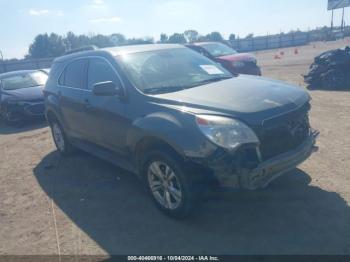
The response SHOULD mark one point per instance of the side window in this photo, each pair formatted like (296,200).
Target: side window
(74,74)
(101,71)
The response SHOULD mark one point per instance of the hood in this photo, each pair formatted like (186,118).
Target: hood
(251,99)
(244,57)
(25,94)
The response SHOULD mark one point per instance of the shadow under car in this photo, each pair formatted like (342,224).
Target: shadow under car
(289,217)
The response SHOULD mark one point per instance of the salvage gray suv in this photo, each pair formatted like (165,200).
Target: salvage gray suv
(178,120)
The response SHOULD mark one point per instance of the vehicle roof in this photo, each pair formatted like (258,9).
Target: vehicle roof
(15,73)
(205,43)
(119,50)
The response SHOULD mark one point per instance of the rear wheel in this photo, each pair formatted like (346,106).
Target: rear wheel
(168,185)
(63,146)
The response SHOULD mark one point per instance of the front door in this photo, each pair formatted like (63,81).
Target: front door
(106,113)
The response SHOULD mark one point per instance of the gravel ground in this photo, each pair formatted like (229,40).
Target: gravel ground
(82,205)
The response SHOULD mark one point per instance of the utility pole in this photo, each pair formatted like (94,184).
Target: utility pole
(332,20)
(2,57)
(342,21)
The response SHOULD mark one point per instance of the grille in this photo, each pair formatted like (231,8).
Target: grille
(284,137)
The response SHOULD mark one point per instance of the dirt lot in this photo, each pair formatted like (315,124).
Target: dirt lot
(82,205)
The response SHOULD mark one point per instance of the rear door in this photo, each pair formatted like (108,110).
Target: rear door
(72,94)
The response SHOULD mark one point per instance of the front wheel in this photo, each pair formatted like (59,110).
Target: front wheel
(169,186)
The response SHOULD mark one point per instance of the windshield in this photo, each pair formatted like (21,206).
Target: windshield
(170,70)
(24,80)
(218,49)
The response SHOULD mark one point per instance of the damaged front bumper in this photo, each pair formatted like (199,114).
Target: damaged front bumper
(230,174)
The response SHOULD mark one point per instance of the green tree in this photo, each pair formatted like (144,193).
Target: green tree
(46,46)
(73,41)
(177,39)
(57,46)
(214,36)
(40,46)
(164,38)
(140,41)
(191,35)
(101,41)
(202,38)
(232,37)
(249,36)
(118,39)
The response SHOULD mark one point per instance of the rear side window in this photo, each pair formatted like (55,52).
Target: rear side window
(62,77)
(101,71)
(74,74)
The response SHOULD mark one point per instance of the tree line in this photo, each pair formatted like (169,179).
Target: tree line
(54,45)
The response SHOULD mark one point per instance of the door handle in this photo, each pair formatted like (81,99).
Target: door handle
(87,104)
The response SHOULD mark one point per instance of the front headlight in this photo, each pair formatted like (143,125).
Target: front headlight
(238,64)
(225,132)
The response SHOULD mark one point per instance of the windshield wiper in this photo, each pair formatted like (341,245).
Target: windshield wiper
(162,89)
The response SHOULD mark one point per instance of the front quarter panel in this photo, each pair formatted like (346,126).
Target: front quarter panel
(177,129)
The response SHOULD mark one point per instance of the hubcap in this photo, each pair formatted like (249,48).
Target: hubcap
(58,136)
(164,185)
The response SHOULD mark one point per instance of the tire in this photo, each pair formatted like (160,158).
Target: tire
(168,184)
(64,147)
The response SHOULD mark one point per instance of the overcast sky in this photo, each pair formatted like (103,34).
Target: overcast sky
(22,20)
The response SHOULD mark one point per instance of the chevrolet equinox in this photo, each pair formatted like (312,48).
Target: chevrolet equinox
(177,119)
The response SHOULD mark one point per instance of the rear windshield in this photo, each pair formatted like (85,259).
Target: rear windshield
(218,49)
(24,80)
(170,70)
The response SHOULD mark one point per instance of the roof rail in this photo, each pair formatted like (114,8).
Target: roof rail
(81,49)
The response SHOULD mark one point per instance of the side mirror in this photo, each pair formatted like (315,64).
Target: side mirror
(108,88)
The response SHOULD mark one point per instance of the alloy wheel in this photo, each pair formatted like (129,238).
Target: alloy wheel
(165,185)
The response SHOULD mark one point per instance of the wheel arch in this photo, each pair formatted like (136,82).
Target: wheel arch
(50,116)
(150,143)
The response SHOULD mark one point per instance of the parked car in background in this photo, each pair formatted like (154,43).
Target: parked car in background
(330,70)
(21,95)
(177,119)
(230,59)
